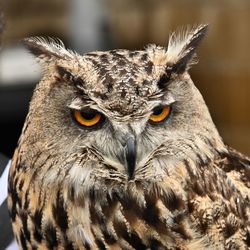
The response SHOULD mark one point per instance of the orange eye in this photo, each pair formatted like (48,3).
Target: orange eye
(88,118)
(160,113)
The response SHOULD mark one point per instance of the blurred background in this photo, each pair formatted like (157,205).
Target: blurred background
(222,75)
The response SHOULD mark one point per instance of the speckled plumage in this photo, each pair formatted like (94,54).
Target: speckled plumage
(69,187)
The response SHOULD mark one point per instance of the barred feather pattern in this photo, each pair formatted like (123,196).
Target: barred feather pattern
(73,187)
(203,206)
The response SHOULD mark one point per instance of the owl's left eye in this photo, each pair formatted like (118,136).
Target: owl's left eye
(88,118)
(160,114)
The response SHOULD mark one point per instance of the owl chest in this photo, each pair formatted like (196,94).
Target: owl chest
(123,224)
(50,222)
(56,219)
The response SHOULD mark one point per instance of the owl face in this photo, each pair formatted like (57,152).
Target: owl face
(119,117)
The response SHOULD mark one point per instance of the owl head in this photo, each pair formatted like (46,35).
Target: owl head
(117,117)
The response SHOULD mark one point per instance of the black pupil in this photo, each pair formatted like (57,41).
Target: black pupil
(88,115)
(157,110)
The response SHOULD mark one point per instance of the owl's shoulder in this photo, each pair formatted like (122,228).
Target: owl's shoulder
(237,168)
(237,159)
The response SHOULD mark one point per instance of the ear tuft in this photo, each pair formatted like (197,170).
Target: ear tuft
(46,49)
(182,47)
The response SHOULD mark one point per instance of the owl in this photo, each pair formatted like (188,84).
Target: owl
(119,151)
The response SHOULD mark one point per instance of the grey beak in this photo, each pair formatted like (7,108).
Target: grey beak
(130,156)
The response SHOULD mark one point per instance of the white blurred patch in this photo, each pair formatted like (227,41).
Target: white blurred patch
(17,66)
(4,183)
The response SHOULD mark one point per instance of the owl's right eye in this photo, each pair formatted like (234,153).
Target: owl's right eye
(88,118)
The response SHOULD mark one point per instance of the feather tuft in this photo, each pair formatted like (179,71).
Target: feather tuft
(182,46)
(47,48)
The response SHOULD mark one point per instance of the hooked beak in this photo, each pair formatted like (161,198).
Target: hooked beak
(130,156)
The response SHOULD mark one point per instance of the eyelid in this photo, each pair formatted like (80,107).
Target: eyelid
(168,101)
(79,104)
(76,104)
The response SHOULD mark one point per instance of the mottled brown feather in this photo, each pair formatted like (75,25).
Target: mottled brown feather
(69,187)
